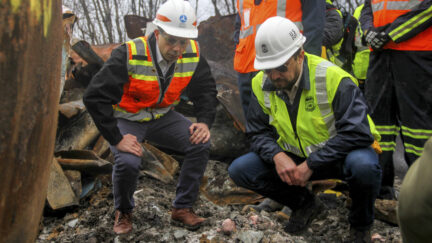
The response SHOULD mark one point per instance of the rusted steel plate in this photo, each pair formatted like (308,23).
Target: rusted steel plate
(170,164)
(135,25)
(30,59)
(85,161)
(60,193)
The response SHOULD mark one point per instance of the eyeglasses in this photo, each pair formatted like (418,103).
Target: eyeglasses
(172,41)
(283,68)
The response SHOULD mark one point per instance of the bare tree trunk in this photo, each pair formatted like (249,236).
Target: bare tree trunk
(30,47)
(214,2)
(91,30)
(99,19)
(107,20)
(117,21)
(133,7)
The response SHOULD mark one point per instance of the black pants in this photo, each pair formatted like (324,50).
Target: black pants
(398,89)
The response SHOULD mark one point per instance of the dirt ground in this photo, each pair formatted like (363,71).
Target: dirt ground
(92,221)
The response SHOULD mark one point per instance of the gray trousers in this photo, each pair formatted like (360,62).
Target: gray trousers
(170,131)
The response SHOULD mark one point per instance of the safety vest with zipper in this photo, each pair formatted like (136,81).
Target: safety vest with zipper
(252,16)
(143,97)
(386,11)
(315,119)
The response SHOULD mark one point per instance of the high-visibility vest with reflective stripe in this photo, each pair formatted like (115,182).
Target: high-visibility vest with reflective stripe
(386,11)
(143,98)
(315,119)
(251,19)
(361,60)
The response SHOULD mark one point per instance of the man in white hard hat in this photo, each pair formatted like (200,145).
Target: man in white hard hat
(307,120)
(131,99)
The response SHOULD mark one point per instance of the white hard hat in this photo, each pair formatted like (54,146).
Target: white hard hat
(276,41)
(177,18)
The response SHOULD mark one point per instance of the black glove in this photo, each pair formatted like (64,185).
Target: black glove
(376,39)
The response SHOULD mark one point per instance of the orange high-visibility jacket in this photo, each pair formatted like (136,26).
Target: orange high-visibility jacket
(143,98)
(386,11)
(251,18)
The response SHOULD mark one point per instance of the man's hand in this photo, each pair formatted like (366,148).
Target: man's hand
(130,144)
(376,39)
(286,168)
(200,133)
(303,173)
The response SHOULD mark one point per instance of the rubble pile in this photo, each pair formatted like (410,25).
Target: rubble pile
(80,201)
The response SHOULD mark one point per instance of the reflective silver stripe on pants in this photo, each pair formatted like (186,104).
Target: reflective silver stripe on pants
(402,5)
(322,97)
(241,8)
(293,149)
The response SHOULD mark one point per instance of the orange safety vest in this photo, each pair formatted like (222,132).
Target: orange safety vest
(143,99)
(251,18)
(386,11)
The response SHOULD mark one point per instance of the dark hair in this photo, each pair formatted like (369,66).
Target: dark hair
(297,53)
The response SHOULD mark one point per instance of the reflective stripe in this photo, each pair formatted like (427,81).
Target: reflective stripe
(416,133)
(402,5)
(387,146)
(377,6)
(281,8)
(241,7)
(247,32)
(315,147)
(409,148)
(293,149)
(411,24)
(141,116)
(299,25)
(322,98)
(388,130)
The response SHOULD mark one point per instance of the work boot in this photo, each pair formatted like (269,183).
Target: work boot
(359,236)
(302,217)
(186,217)
(267,205)
(122,222)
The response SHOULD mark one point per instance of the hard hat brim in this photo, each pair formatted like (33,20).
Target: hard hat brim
(177,31)
(271,62)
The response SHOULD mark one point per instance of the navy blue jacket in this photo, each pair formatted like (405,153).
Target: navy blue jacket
(352,126)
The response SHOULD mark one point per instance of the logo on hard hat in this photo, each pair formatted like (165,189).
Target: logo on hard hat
(293,34)
(183,18)
(264,48)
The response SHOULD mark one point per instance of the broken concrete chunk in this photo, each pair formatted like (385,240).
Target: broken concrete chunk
(385,210)
(72,108)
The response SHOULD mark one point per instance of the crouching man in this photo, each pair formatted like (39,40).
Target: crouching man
(131,99)
(307,120)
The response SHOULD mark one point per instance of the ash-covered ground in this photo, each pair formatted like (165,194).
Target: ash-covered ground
(93,220)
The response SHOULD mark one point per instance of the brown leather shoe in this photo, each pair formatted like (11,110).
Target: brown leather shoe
(187,218)
(122,223)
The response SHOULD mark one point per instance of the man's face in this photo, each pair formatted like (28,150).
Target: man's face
(285,76)
(171,47)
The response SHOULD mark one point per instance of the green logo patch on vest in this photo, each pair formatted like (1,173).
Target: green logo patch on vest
(309,103)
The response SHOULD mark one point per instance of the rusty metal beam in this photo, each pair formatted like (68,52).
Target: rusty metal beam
(30,57)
